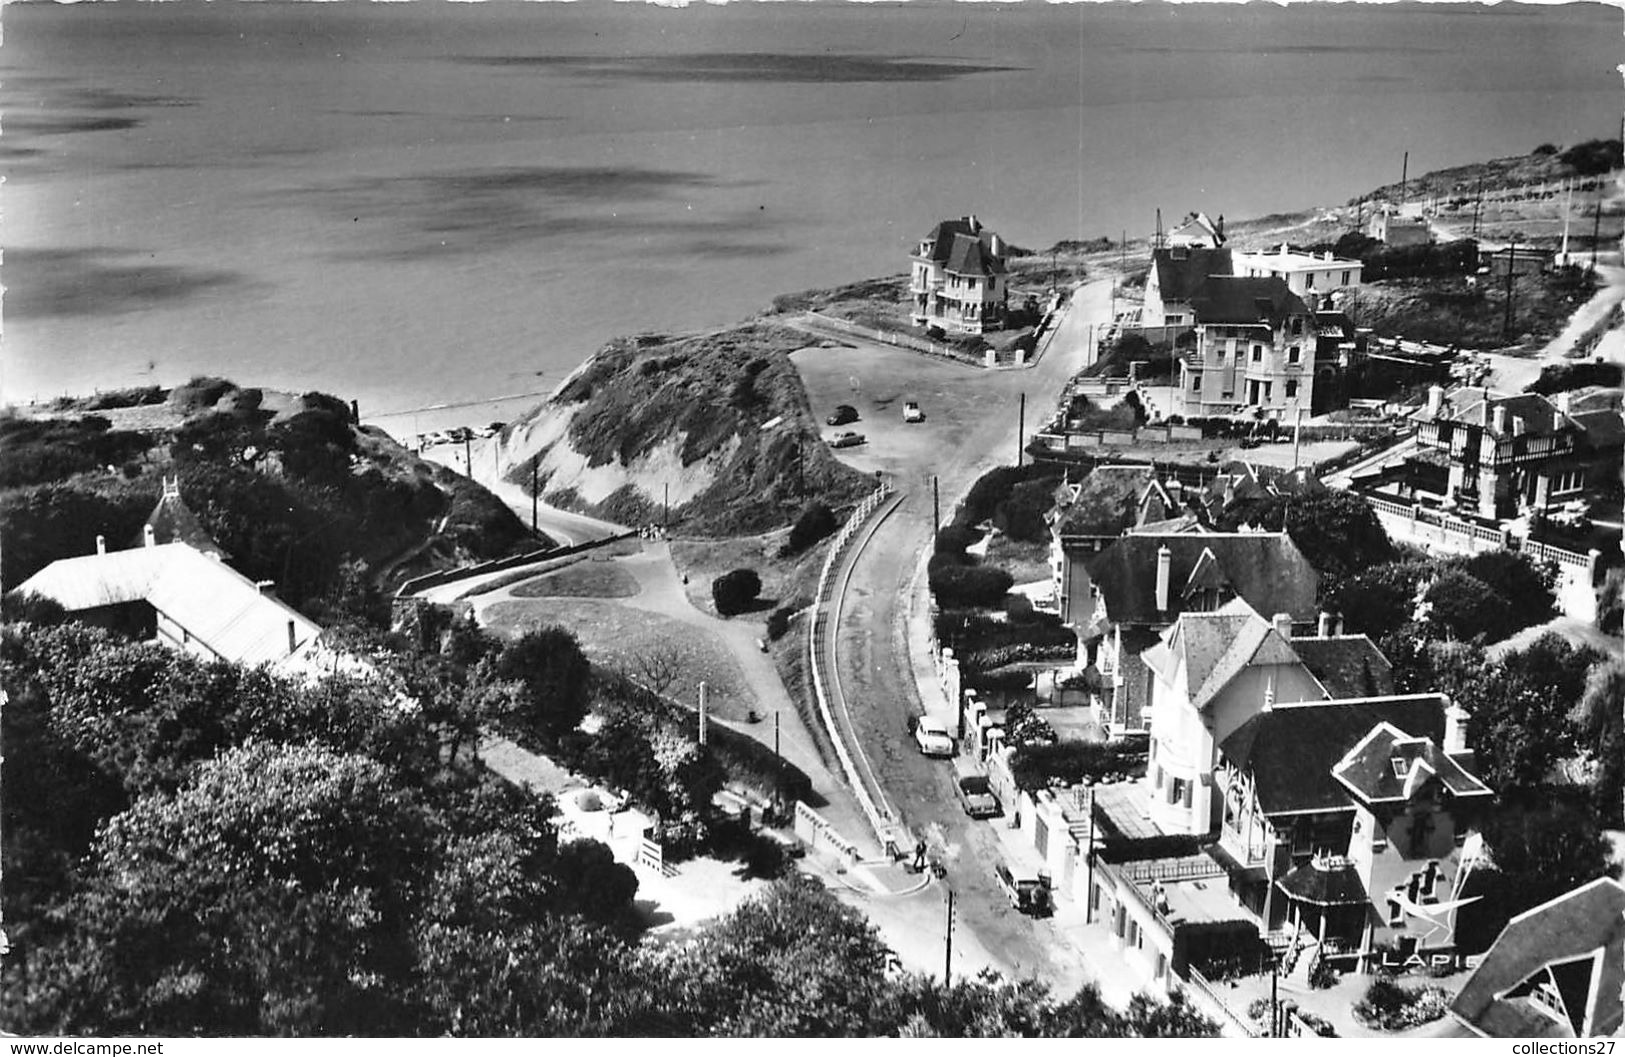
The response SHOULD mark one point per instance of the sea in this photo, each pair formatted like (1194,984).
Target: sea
(440,209)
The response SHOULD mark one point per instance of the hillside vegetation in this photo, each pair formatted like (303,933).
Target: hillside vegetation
(718,424)
(286,484)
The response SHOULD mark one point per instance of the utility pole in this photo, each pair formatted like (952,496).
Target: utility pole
(1275,1003)
(1297,435)
(948,944)
(1596,228)
(1478,205)
(1089,857)
(665,505)
(1021,428)
(702,712)
(778,765)
(1054,277)
(936,508)
(535,461)
(1506,326)
(468,454)
(1404,178)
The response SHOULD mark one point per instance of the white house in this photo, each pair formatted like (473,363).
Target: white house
(957,278)
(1306,274)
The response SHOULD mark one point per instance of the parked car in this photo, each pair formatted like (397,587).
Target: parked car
(846,440)
(843,414)
(1028,893)
(977,797)
(931,735)
(912,412)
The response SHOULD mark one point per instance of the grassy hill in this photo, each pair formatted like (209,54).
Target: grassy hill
(718,424)
(285,483)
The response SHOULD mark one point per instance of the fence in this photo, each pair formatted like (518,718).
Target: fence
(909,341)
(817,831)
(428,580)
(1206,998)
(878,817)
(653,855)
(1178,870)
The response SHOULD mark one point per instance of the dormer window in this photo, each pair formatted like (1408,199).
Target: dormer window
(1401,767)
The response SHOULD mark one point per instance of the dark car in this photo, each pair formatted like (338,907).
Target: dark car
(846,440)
(843,414)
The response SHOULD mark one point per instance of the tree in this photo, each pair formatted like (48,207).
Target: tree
(270,895)
(658,665)
(549,663)
(1464,607)
(1601,720)
(592,884)
(1520,708)
(1021,515)
(733,592)
(968,585)
(1337,531)
(815,521)
(1526,585)
(1379,600)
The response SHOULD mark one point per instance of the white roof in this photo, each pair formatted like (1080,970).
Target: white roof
(1287,260)
(222,610)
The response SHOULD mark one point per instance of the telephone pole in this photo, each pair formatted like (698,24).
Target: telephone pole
(1021,427)
(936,508)
(1596,228)
(1404,178)
(535,460)
(948,944)
(1506,326)
(1478,205)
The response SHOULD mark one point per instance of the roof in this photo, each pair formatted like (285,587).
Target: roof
(1255,299)
(172,521)
(1181,272)
(1587,923)
(1326,883)
(942,236)
(1214,647)
(970,255)
(1288,260)
(1198,225)
(1346,665)
(1390,765)
(221,610)
(1291,749)
(1603,429)
(1265,568)
(1107,503)
(1476,406)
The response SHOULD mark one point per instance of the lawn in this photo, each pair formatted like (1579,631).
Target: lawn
(615,636)
(785,581)
(588,579)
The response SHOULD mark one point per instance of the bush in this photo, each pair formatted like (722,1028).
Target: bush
(734,592)
(1593,157)
(1019,608)
(778,622)
(1562,377)
(813,523)
(1388,1006)
(1464,607)
(1021,515)
(969,585)
(1068,763)
(954,537)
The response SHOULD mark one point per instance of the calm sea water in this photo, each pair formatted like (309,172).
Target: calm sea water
(427,202)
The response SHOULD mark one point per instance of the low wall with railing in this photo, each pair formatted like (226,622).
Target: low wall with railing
(819,833)
(878,820)
(497,565)
(1209,1001)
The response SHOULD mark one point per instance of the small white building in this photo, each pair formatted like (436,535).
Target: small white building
(1305,274)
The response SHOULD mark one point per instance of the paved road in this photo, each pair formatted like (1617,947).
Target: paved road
(971,426)
(563,526)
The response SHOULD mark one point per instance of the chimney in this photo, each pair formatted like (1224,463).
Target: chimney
(149,538)
(293,638)
(1518,425)
(1435,399)
(1565,403)
(974,224)
(1338,629)
(1218,228)
(1455,727)
(266,587)
(1165,569)
(1325,628)
(1500,420)
(1283,625)
(101,544)
(996,244)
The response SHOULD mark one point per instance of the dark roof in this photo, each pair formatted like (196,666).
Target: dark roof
(1325,884)
(1265,568)
(1388,765)
(1347,665)
(1250,299)
(1180,272)
(173,521)
(1107,503)
(1476,406)
(1573,926)
(1291,749)
(969,255)
(942,236)
(1603,429)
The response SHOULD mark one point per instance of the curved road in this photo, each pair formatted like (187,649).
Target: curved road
(882,649)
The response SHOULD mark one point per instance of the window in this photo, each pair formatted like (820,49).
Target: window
(1176,791)
(1294,354)
(1258,353)
(1190,794)
(1345,278)
(1196,382)
(1297,325)
(1396,916)
(1311,282)
(1291,390)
